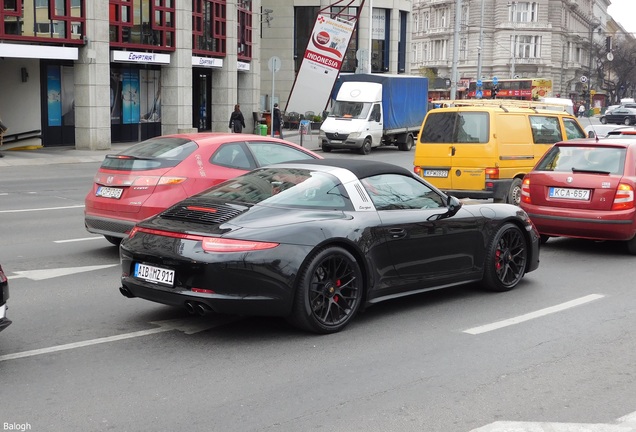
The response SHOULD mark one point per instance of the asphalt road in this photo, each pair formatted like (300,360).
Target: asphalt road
(79,356)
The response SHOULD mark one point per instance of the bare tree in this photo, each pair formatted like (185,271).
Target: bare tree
(618,76)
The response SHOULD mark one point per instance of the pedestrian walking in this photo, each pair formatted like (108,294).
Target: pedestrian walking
(277,122)
(581,110)
(237,121)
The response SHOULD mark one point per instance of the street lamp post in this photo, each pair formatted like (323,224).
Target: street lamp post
(513,5)
(594,23)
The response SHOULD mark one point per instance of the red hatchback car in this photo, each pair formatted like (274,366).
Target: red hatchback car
(584,188)
(155,174)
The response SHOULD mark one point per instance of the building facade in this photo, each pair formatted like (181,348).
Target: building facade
(89,73)
(385,33)
(549,39)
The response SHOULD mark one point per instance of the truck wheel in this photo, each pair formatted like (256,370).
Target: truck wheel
(514,194)
(326,148)
(366,147)
(407,145)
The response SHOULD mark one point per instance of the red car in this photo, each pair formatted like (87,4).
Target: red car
(155,174)
(584,188)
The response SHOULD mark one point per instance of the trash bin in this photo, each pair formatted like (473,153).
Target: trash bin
(262,129)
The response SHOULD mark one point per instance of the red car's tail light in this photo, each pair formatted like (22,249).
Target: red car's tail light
(624,198)
(156,180)
(492,173)
(215,244)
(525,191)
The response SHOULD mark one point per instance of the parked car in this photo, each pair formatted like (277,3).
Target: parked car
(606,130)
(622,115)
(4,296)
(155,174)
(315,241)
(584,189)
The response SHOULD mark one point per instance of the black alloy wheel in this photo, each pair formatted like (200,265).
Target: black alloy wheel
(506,259)
(329,292)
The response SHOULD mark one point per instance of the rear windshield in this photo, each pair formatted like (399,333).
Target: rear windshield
(151,154)
(584,158)
(455,127)
(285,187)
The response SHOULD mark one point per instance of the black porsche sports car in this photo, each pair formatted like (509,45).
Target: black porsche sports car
(314,241)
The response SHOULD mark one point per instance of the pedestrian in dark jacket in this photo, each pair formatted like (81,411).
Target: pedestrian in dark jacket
(237,121)
(277,122)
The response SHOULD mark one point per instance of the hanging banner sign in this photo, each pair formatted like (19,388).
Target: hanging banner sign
(321,64)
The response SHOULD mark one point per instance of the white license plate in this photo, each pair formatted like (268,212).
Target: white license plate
(154,274)
(109,192)
(435,173)
(573,194)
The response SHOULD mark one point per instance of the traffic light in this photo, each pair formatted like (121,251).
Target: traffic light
(494,92)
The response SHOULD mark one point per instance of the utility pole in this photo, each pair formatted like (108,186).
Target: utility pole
(454,77)
(481,42)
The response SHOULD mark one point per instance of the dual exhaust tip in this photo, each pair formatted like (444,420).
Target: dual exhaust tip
(197,308)
(193,308)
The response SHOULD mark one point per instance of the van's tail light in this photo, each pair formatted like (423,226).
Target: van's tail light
(417,170)
(624,198)
(525,191)
(492,173)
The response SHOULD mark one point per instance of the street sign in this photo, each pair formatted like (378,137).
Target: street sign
(495,80)
(583,79)
(479,83)
(274,64)
(610,56)
(479,94)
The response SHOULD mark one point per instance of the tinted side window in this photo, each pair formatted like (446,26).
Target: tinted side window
(398,192)
(572,129)
(545,130)
(233,156)
(267,153)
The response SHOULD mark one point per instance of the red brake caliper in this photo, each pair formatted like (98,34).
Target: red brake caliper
(338,283)
(498,259)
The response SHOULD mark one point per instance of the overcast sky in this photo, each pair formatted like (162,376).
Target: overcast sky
(624,12)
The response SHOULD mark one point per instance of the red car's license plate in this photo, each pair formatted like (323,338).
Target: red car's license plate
(109,192)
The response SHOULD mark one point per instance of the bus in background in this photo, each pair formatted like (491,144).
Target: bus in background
(517,88)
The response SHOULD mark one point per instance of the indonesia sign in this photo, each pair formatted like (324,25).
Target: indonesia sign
(321,64)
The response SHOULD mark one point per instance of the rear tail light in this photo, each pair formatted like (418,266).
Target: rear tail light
(525,191)
(492,173)
(211,244)
(157,181)
(417,170)
(215,244)
(624,198)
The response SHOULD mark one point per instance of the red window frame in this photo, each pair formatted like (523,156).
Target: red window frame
(218,27)
(163,33)
(244,41)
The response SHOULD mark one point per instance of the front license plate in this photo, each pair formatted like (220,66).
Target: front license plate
(435,173)
(109,192)
(573,194)
(154,274)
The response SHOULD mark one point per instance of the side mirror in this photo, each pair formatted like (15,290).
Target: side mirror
(452,207)
(591,134)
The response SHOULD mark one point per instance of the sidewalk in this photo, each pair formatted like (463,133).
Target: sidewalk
(31,152)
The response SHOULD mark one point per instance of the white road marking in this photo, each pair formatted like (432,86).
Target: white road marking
(625,424)
(533,315)
(187,325)
(41,209)
(78,239)
(53,273)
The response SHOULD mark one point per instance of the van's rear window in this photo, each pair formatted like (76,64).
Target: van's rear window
(154,153)
(456,127)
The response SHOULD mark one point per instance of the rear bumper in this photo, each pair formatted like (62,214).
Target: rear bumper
(108,226)
(499,190)
(588,224)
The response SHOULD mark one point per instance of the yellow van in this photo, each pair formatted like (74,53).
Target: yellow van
(482,148)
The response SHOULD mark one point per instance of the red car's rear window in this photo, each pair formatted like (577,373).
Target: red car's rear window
(151,154)
(584,158)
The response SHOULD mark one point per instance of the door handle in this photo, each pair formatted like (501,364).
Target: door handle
(396,233)
(452,150)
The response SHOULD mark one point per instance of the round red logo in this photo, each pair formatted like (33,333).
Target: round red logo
(322,38)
